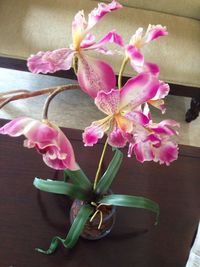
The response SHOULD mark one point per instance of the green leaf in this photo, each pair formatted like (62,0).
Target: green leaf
(79,178)
(107,179)
(132,202)
(66,177)
(60,187)
(74,232)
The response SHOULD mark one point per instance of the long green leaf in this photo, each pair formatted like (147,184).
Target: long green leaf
(107,179)
(74,232)
(59,187)
(132,202)
(79,178)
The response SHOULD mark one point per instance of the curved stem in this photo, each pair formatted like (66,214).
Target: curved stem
(100,164)
(121,72)
(26,94)
(53,94)
(11,92)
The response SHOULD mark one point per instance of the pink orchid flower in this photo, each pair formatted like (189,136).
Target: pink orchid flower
(137,41)
(133,53)
(48,140)
(123,110)
(157,101)
(93,74)
(154,141)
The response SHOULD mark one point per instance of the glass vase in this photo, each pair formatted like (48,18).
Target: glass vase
(97,226)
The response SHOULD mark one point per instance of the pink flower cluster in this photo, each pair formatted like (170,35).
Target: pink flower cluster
(127,118)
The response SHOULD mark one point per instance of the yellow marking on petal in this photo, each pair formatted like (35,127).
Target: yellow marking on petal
(159,103)
(156,102)
(123,123)
(104,123)
(77,38)
(137,43)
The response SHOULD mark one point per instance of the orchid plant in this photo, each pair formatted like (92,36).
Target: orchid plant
(127,118)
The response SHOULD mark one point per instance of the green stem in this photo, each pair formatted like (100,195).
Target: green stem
(75,64)
(100,164)
(121,71)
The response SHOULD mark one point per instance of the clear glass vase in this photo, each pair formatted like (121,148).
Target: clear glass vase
(100,225)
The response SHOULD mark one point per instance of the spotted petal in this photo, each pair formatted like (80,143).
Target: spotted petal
(95,75)
(137,117)
(108,102)
(50,61)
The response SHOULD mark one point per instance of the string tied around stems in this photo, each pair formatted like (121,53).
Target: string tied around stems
(98,211)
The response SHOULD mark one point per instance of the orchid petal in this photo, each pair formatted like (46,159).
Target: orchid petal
(99,12)
(137,117)
(88,41)
(79,26)
(108,102)
(111,37)
(130,150)
(154,139)
(152,68)
(139,90)
(136,39)
(44,62)
(165,127)
(146,111)
(146,67)
(143,151)
(162,91)
(159,103)
(63,154)
(116,138)
(96,131)
(135,56)
(123,123)
(153,32)
(95,75)
(15,127)
(49,141)
(166,153)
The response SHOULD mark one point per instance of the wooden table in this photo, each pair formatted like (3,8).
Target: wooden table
(30,218)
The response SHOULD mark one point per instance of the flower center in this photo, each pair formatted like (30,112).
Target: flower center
(137,43)
(123,123)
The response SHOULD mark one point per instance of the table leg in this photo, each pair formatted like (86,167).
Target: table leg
(194,110)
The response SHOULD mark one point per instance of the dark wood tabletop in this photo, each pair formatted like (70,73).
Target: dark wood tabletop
(29,218)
